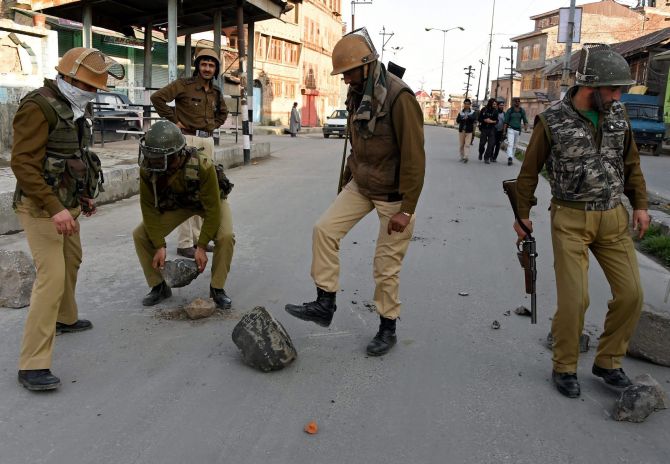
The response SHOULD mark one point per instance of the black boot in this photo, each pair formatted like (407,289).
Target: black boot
(319,311)
(38,380)
(157,294)
(79,326)
(220,298)
(615,377)
(385,338)
(566,383)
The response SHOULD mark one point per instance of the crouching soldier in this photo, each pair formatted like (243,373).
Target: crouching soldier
(176,183)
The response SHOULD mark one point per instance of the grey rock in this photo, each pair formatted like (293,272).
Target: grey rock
(639,400)
(200,308)
(650,340)
(180,272)
(264,342)
(17,274)
(584,341)
(522,311)
(495,325)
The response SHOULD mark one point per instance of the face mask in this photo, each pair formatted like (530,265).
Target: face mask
(77,97)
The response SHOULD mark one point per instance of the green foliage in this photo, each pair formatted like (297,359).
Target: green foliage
(657,244)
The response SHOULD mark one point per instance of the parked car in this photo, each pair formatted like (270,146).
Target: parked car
(646,120)
(336,124)
(116,115)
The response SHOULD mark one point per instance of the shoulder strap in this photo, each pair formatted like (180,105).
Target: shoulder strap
(39,97)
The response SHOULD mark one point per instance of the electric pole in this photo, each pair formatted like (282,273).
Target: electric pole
(568,49)
(488,62)
(479,83)
(469,75)
(385,41)
(511,72)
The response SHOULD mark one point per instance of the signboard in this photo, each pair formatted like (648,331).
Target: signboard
(563,19)
(123,41)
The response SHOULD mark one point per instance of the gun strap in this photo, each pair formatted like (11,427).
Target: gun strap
(344,156)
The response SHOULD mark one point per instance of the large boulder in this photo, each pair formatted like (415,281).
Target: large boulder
(180,272)
(263,341)
(200,308)
(17,274)
(650,340)
(639,400)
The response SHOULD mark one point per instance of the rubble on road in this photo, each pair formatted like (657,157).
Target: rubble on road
(639,400)
(650,340)
(17,274)
(200,308)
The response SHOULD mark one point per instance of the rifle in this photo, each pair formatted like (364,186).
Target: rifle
(340,183)
(526,251)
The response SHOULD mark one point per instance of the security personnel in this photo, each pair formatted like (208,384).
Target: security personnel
(57,178)
(199,109)
(385,172)
(586,144)
(176,183)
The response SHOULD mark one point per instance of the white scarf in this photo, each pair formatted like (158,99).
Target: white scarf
(77,97)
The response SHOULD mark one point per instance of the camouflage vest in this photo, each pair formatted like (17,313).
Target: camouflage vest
(579,169)
(169,200)
(69,167)
(375,161)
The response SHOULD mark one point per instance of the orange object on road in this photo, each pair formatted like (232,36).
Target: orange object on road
(311,428)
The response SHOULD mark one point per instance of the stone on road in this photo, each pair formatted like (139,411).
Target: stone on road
(180,272)
(17,274)
(651,340)
(639,400)
(200,308)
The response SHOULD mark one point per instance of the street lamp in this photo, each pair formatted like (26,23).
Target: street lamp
(444,42)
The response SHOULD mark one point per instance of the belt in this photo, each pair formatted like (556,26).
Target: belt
(588,205)
(197,133)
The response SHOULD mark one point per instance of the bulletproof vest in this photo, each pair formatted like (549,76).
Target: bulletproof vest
(70,168)
(579,169)
(169,200)
(375,160)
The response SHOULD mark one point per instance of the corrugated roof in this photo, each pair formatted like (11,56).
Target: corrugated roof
(630,47)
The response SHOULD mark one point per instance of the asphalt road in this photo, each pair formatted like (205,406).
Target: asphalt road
(142,389)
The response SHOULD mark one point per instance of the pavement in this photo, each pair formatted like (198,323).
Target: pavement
(143,388)
(119,162)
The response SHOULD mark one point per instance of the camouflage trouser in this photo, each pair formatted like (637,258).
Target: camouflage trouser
(574,233)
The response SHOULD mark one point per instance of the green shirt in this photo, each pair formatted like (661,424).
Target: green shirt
(591,115)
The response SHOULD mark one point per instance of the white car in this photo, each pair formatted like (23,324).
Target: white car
(336,124)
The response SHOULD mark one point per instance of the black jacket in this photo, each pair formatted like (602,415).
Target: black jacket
(488,113)
(466,121)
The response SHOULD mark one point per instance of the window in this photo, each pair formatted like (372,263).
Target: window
(536,51)
(537,80)
(261,47)
(525,53)
(277,88)
(526,82)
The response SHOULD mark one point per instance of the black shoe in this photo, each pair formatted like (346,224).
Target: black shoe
(494,160)
(319,311)
(615,377)
(487,161)
(509,161)
(465,160)
(385,338)
(220,298)
(566,383)
(38,380)
(480,157)
(186,252)
(79,326)
(157,294)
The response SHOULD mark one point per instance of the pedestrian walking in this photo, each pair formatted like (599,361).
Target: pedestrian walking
(466,121)
(488,118)
(500,133)
(198,110)
(294,124)
(177,182)
(384,172)
(586,144)
(514,117)
(57,179)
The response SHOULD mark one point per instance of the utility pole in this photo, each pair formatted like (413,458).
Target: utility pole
(568,50)
(488,62)
(481,63)
(469,75)
(498,76)
(511,72)
(383,33)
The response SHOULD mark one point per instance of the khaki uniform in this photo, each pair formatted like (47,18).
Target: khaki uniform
(56,257)
(158,221)
(384,172)
(587,215)
(198,110)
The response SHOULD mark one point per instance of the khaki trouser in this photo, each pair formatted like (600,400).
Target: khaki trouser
(344,213)
(189,231)
(464,140)
(224,243)
(57,259)
(575,232)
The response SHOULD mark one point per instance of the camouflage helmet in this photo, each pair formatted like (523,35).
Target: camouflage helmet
(91,66)
(161,141)
(600,66)
(353,50)
(209,54)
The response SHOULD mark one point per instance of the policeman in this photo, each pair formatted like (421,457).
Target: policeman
(585,143)
(384,172)
(199,109)
(57,178)
(176,183)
